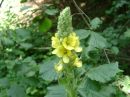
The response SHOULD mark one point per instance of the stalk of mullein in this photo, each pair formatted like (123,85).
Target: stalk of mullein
(66,45)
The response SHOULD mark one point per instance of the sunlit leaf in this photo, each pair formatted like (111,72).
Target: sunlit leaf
(124,84)
(45,25)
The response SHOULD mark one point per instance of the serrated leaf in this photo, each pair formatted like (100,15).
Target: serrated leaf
(97,41)
(47,71)
(89,88)
(16,91)
(95,23)
(82,33)
(104,73)
(45,25)
(56,91)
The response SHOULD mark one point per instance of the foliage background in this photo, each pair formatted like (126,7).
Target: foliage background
(26,62)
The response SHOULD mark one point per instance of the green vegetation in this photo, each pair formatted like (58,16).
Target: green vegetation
(27,65)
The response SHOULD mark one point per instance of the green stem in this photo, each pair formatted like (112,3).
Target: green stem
(71,83)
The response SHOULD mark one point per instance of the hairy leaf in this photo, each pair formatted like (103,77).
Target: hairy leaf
(97,41)
(95,23)
(16,91)
(47,71)
(89,88)
(104,73)
(56,91)
(82,33)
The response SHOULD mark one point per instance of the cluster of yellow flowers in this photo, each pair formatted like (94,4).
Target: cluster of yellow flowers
(66,48)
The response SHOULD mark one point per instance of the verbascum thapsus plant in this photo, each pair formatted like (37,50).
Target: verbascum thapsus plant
(66,43)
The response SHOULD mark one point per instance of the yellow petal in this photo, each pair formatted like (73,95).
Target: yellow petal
(60,51)
(59,67)
(65,59)
(55,42)
(69,53)
(56,34)
(78,49)
(78,64)
(54,51)
(73,34)
(68,43)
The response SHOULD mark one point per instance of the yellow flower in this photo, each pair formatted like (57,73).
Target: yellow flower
(77,63)
(59,67)
(62,52)
(55,41)
(72,42)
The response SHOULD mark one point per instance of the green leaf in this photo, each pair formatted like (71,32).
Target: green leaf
(16,91)
(26,45)
(95,23)
(115,50)
(23,1)
(22,34)
(104,73)
(45,25)
(3,93)
(47,71)
(56,91)
(4,82)
(82,33)
(107,91)
(30,73)
(7,41)
(127,33)
(28,67)
(11,64)
(89,88)
(51,11)
(97,41)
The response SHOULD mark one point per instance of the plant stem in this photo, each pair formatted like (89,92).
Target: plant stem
(71,83)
